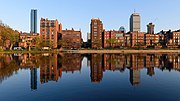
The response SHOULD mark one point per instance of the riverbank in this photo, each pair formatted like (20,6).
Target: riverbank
(121,51)
(94,51)
(33,52)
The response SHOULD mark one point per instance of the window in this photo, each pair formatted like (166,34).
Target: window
(95,26)
(95,33)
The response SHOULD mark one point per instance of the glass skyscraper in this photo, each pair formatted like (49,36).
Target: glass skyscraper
(33,21)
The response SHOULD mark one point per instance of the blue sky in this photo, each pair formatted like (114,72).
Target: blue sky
(78,13)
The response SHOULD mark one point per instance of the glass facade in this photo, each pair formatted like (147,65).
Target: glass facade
(34,21)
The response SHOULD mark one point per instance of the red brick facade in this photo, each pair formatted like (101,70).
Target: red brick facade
(72,39)
(96,33)
(49,30)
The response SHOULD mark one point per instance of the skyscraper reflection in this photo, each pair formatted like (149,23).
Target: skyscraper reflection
(53,66)
(135,76)
(33,78)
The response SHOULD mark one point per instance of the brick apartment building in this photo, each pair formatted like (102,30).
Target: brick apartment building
(49,30)
(52,32)
(71,39)
(27,39)
(174,40)
(152,40)
(137,39)
(96,28)
(113,39)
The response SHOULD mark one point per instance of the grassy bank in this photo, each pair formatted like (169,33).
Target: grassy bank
(33,52)
(84,51)
(124,51)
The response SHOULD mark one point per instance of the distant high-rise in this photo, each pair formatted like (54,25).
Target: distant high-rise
(96,33)
(33,21)
(150,28)
(135,22)
(88,36)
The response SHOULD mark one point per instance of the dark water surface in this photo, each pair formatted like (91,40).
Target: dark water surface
(90,77)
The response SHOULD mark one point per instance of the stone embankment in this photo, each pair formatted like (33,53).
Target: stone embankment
(121,51)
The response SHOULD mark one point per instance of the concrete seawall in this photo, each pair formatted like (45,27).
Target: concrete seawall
(121,51)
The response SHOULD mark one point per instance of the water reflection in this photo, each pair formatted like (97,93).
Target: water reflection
(52,66)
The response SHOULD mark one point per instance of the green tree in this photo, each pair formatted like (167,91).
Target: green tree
(13,37)
(7,33)
(38,42)
(64,43)
(112,42)
(97,43)
(4,37)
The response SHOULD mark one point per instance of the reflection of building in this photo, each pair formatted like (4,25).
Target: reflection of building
(49,68)
(135,76)
(150,71)
(96,68)
(52,65)
(33,78)
(96,33)
(138,61)
(71,62)
(114,62)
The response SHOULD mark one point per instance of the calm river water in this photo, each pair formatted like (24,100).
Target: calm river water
(89,77)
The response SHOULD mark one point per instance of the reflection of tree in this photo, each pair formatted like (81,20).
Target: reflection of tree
(7,70)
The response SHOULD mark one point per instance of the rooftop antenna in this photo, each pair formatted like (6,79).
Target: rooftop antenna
(134,10)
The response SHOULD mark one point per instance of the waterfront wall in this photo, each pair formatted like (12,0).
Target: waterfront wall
(121,51)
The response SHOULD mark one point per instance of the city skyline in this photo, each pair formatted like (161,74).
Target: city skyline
(77,17)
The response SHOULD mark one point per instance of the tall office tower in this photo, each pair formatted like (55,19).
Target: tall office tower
(33,78)
(135,23)
(33,21)
(150,28)
(49,30)
(96,33)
